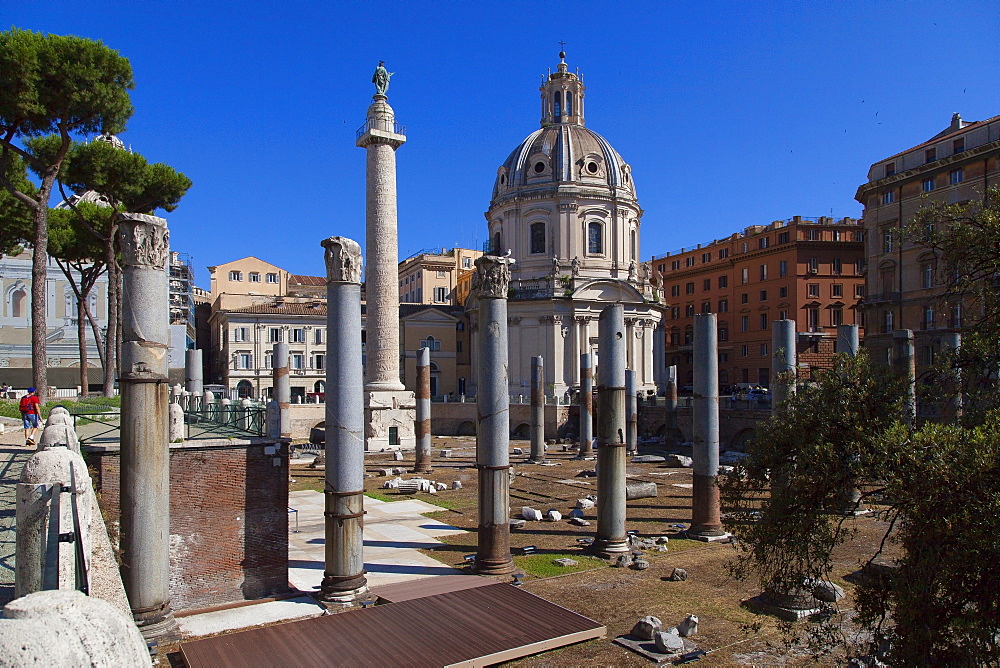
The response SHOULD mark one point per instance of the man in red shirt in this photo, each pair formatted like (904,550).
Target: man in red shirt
(29,416)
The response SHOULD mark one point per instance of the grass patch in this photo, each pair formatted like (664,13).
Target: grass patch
(541,566)
(437,501)
(90,405)
(379,496)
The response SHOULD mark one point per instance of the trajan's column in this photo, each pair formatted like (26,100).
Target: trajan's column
(389,408)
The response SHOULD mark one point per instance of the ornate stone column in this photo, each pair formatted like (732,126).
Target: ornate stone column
(344,573)
(706,521)
(491,281)
(145,452)
(389,407)
(611,458)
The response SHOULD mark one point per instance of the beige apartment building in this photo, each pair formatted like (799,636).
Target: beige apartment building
(432,277)
(905,289)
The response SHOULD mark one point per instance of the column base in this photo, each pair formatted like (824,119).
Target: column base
(609,548)
(342,597)
(789,608)
(157,625)
(708,535)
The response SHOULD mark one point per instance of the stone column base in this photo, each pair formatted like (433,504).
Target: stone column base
(158,625)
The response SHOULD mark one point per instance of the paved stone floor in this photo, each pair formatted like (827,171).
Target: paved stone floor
(394,532)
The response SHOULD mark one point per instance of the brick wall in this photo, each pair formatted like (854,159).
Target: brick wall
(228,518)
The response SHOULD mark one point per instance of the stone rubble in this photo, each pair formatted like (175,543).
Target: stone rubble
(553,515)
(669,641)
(578,521)
(565,562)
(646,627)
(531,514)
(678,575)
(688,627)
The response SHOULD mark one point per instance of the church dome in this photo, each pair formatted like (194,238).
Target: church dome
(564,154)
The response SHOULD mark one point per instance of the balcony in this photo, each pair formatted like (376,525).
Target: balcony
(381,125)
(532,289)
(882,297)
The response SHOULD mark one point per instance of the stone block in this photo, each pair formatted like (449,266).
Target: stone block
(565,562)
(531,514)
(646,627)
(584,504)
(669,641)
(678,461)
(553,515)
(579,521)
(457,484)
(678,575)
(688,627)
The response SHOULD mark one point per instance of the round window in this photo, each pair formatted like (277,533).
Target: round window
(539,167)
(592,167)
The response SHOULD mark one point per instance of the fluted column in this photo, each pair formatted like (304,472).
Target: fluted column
(145,451)
(344,569)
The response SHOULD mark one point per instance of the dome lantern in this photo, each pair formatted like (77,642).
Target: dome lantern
(562,96)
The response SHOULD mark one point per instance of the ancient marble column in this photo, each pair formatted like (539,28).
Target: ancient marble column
(849,501)
(670,395)
(706,521)
(422,457)
(631,412)
(145,454)
(904,364)
(611,347)
(586,407)
(952,342)
(847,339)
(537,411)
(344,573)
(389,408)
(783,362)
(193,379)
(491,282)
(659,356)
(283,386)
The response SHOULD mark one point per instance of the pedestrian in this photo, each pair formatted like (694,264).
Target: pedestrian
(29,416)
(5,391)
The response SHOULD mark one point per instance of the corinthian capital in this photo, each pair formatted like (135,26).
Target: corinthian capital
(492,277)
(144,240)
(343,260)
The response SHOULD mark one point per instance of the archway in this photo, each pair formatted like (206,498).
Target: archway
(522,431)
(244,390)
(742,438)
(467,428)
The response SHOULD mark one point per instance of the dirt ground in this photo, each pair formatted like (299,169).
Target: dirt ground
(614,597)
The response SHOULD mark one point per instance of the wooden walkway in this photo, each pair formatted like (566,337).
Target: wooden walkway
(475,626)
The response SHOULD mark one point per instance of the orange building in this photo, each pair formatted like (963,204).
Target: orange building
(810,270)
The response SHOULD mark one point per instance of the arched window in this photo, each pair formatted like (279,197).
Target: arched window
(319,387)
(244,389)
(538,237)
(595,238)
(17,304)
(431,344)
(557,107)
(569,104)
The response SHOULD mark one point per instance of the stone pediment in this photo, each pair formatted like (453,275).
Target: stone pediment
(609,291)
(430,315)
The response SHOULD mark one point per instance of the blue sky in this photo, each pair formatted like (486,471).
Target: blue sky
(731,114)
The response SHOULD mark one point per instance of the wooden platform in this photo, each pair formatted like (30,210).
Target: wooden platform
(475,626)
(424,587)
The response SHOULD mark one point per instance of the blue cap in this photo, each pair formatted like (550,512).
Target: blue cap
(30,390)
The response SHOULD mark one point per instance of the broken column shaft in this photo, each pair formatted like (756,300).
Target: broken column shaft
(537,411)
(145,452)
(283,386)
(491,281)
(631,413)
(344,573)
(193,378)
(904,364)
(422,424)
(783,362)
(611,536)
(847,339)
(586,407)
(706,522)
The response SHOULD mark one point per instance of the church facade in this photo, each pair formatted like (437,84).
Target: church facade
(564,205)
